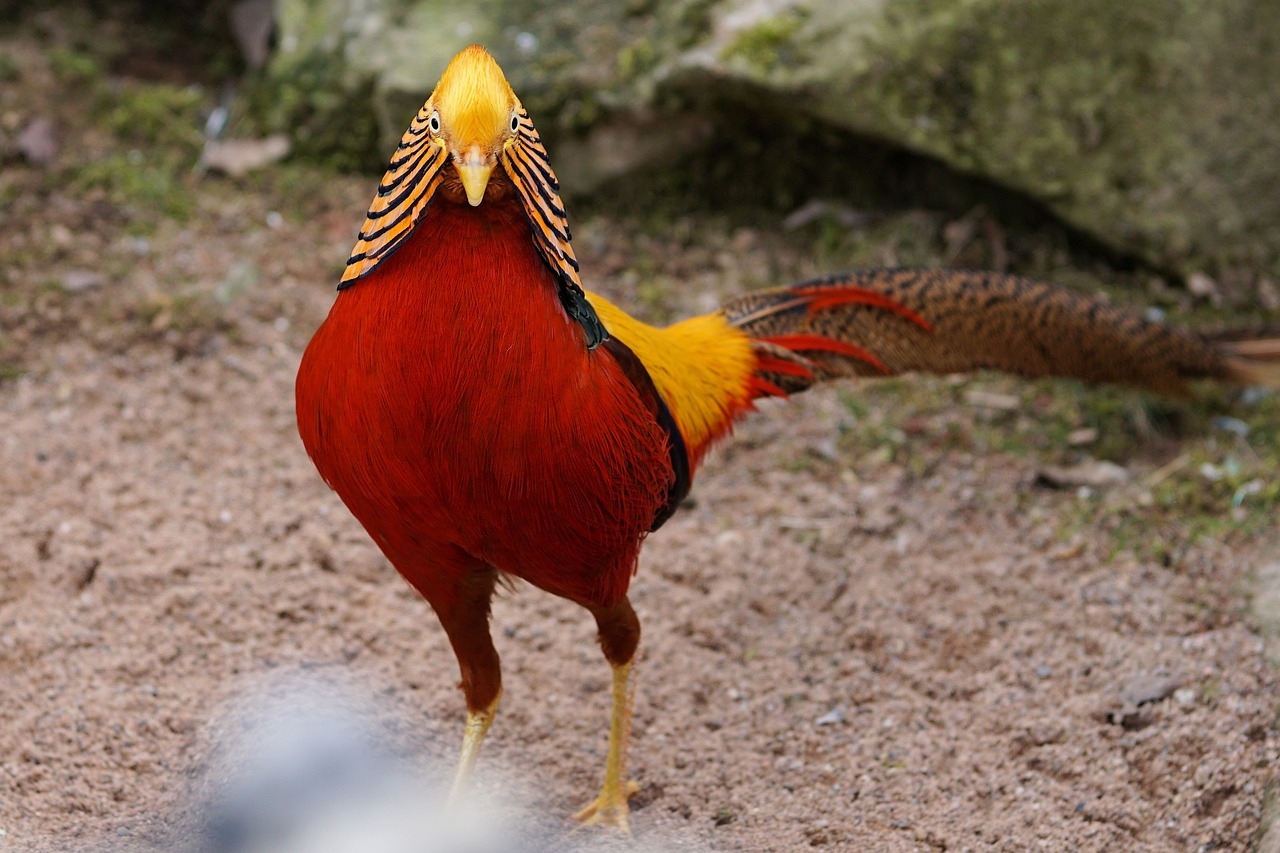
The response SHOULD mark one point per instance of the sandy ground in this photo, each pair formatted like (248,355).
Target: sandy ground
(834,655)
(839,652)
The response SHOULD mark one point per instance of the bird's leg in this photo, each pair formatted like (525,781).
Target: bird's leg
(619,638)
(478,723)
(466,621)
(610,808)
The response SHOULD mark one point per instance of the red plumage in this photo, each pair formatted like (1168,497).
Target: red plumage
(458,413)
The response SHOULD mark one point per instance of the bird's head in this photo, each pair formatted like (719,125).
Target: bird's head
(472,122)
(474,115)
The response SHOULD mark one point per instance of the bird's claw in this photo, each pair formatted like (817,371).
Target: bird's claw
(609,810)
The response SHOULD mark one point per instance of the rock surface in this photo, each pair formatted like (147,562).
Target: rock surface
(1148,125)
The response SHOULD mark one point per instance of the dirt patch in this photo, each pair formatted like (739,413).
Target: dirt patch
(830,658)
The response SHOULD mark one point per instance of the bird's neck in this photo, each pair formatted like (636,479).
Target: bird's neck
(467,271)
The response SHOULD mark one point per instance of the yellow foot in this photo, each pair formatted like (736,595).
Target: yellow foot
(478,723)
(610,811)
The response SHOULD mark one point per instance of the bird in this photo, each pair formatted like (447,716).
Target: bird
(486,418)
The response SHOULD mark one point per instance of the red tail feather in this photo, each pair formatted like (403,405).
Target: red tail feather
(761,387)
(773,364)
(824,298)
(804,343)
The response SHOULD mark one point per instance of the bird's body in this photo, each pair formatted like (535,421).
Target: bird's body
(463,414)
(481,415)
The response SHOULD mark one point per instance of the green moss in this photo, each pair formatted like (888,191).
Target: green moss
(637,58)
(149,186)
(183,312)
(770,43)
(72,66)
(9,70)
(331,121)
(684,24)
(1118,117)
(158,114)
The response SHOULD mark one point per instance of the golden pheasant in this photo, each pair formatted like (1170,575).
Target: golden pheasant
(484,417)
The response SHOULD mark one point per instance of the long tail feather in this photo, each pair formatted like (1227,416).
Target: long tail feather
(879,322)
(1251,360)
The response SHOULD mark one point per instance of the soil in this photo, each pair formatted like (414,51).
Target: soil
(845,649)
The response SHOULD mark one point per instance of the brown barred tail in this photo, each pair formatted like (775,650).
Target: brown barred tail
(881,322)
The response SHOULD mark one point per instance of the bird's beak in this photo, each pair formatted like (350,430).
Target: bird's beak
(474,170)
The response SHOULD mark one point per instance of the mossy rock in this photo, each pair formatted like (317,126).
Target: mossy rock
(1150,125)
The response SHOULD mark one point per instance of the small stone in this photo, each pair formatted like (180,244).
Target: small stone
(61,235)
(835,715)
(237,157)
(1091,473)
(991,400)
(1142,689)
(1231,425)
(75,281)
(1086,435)
(37,142)
(1201,285)
(1184,696)
(1044,671)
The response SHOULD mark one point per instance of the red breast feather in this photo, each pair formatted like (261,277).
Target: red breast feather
(454,408)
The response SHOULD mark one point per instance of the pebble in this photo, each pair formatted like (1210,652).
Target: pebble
(1201,285)
(1084,435)
(1232,425)
(991,400)
(835,715)
(38,142)
(75,281)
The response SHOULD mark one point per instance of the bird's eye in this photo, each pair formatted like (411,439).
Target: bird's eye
(515,122)
(434,122)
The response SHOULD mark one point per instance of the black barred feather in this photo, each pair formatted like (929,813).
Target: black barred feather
(403,196)
(526,163)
